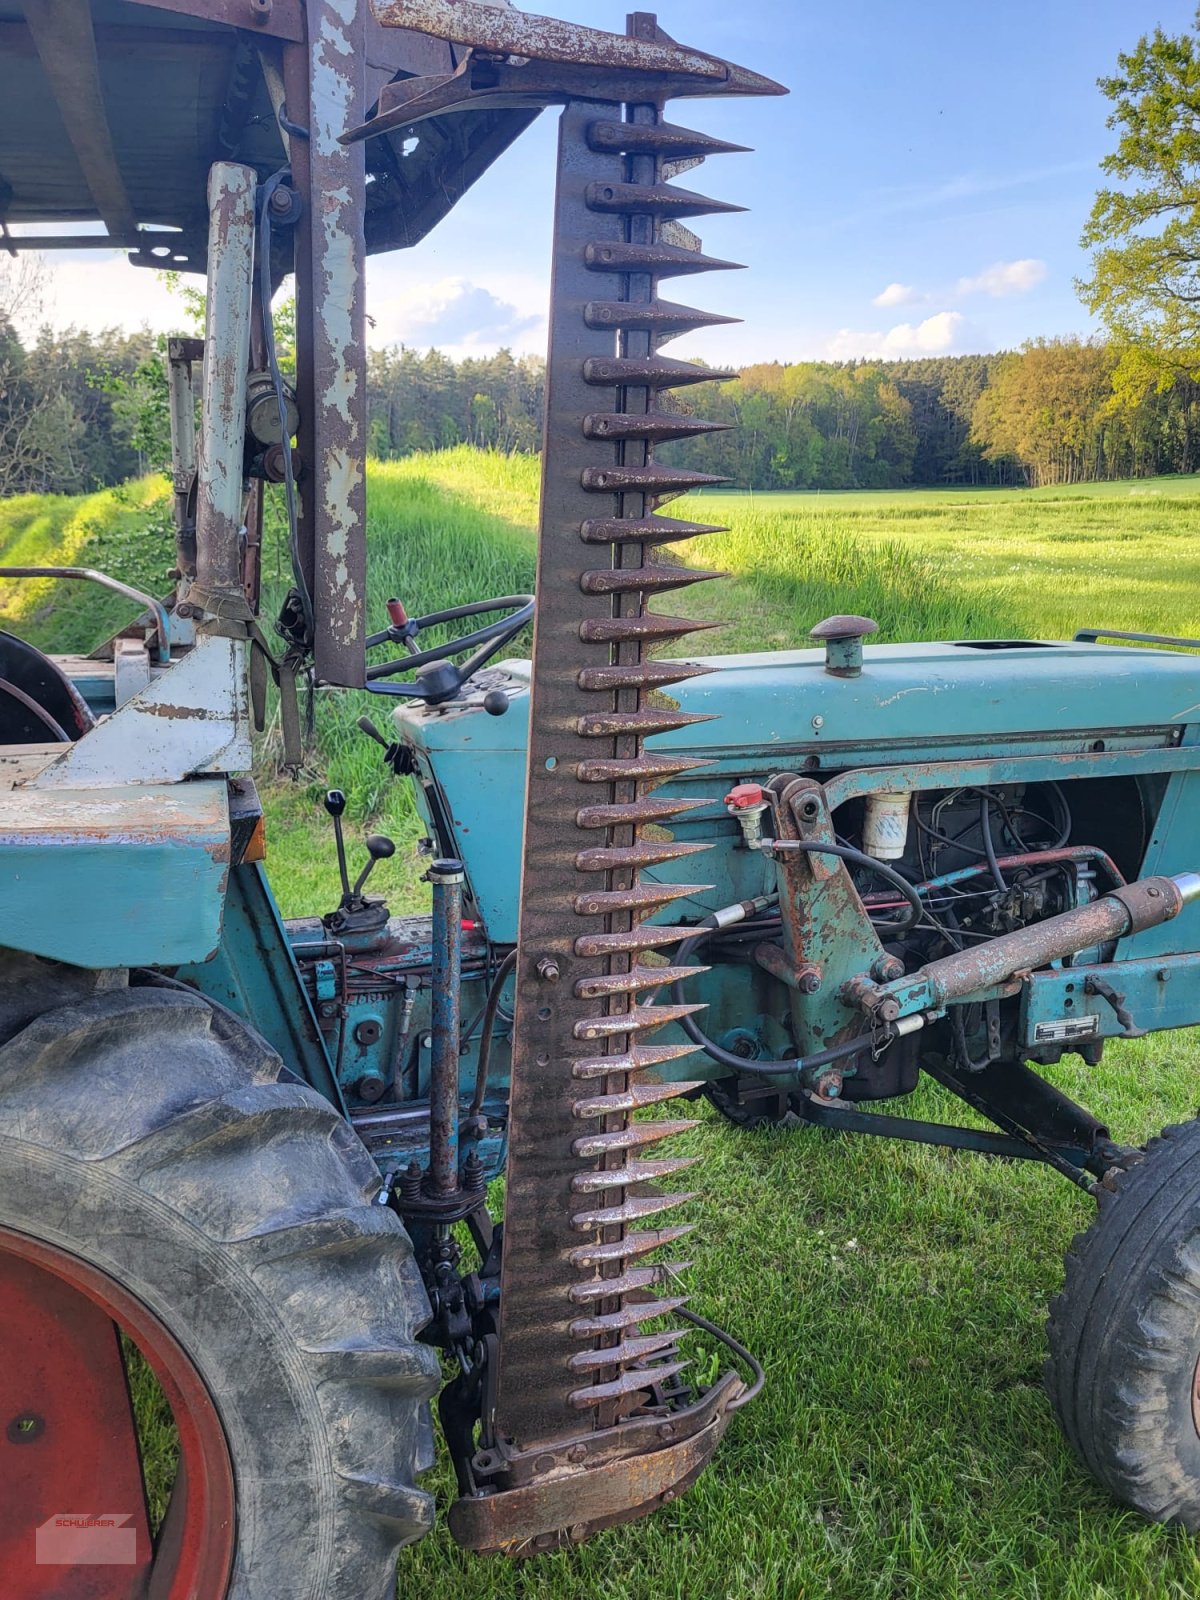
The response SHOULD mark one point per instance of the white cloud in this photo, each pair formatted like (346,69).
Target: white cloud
(456,315)
(935,336)
(1005,277)
(896,294)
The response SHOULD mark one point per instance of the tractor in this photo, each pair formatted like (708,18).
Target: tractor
(246,1164)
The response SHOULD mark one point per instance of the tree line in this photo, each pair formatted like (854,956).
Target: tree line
(81,410)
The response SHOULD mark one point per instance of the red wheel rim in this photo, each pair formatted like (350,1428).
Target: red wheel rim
(192,1556)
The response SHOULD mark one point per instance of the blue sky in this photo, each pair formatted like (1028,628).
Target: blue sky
(920,191)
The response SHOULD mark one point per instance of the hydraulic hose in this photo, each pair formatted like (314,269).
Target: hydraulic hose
(490,1009)
(868,864)
(726,1058)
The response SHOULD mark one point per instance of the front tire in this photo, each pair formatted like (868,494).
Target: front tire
(150,1137)
(1123,1373)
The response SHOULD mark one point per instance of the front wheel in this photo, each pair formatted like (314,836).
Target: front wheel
(1124,1367)
(177,1213)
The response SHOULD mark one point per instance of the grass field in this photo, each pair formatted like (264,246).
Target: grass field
(903,1449)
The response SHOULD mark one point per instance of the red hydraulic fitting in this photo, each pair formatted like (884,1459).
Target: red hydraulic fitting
(397,613)
(743,795)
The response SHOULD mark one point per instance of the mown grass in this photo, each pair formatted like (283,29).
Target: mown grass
(903,1449)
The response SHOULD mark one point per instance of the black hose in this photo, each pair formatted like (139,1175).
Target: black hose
(726,1058)
(989,847)
(869,864)
(489,1022)
(733,1345)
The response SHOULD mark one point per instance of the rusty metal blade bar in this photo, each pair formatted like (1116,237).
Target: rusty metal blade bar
(654,200)
(649,769)
(632,1209)
(661,426)
(631,1315)
(652,626)
(600,1253)
(644,530)
(650,579)
(653,479)
(644,675)
(649,372)
(634,1098)
(664,260)
(635,1059)
(663,318)
(629,1383)
(634,981)
(637,1280)
(620,858)
(636,724)
(639,1019)
(649,936)
(665,139)
(638,897)
(624,1354)
(632,1172)
(635,1137)
(635,811)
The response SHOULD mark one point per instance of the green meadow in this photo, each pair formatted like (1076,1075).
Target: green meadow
(895,1294)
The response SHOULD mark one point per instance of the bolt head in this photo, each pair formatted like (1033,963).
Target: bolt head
(577,1452)
(547,969)
(818,722)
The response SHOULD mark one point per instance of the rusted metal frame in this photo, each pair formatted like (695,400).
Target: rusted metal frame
(827,933)
(536,1343)
(278,19)
(220,482)
(616,1486)
(1061,766)
(325,84)
(66,47)
(182,356)
(506,31)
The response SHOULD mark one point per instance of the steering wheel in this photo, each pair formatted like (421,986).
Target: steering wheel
(438,677)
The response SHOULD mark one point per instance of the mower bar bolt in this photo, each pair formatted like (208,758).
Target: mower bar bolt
(547,969)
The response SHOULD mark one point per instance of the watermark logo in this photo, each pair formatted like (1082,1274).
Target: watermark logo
(72,1539)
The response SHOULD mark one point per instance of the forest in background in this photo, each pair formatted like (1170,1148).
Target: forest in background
(81,411)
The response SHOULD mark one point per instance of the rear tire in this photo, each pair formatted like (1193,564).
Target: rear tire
(1124,1334)
(165,1146)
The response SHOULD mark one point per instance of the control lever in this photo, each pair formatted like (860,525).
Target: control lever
(379,848)
(395,752)
(335,804)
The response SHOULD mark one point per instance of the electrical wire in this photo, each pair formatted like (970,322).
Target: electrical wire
(989,847)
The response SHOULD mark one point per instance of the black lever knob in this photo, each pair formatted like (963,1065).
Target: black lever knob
(365,725)
(335,802)
(379,848)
